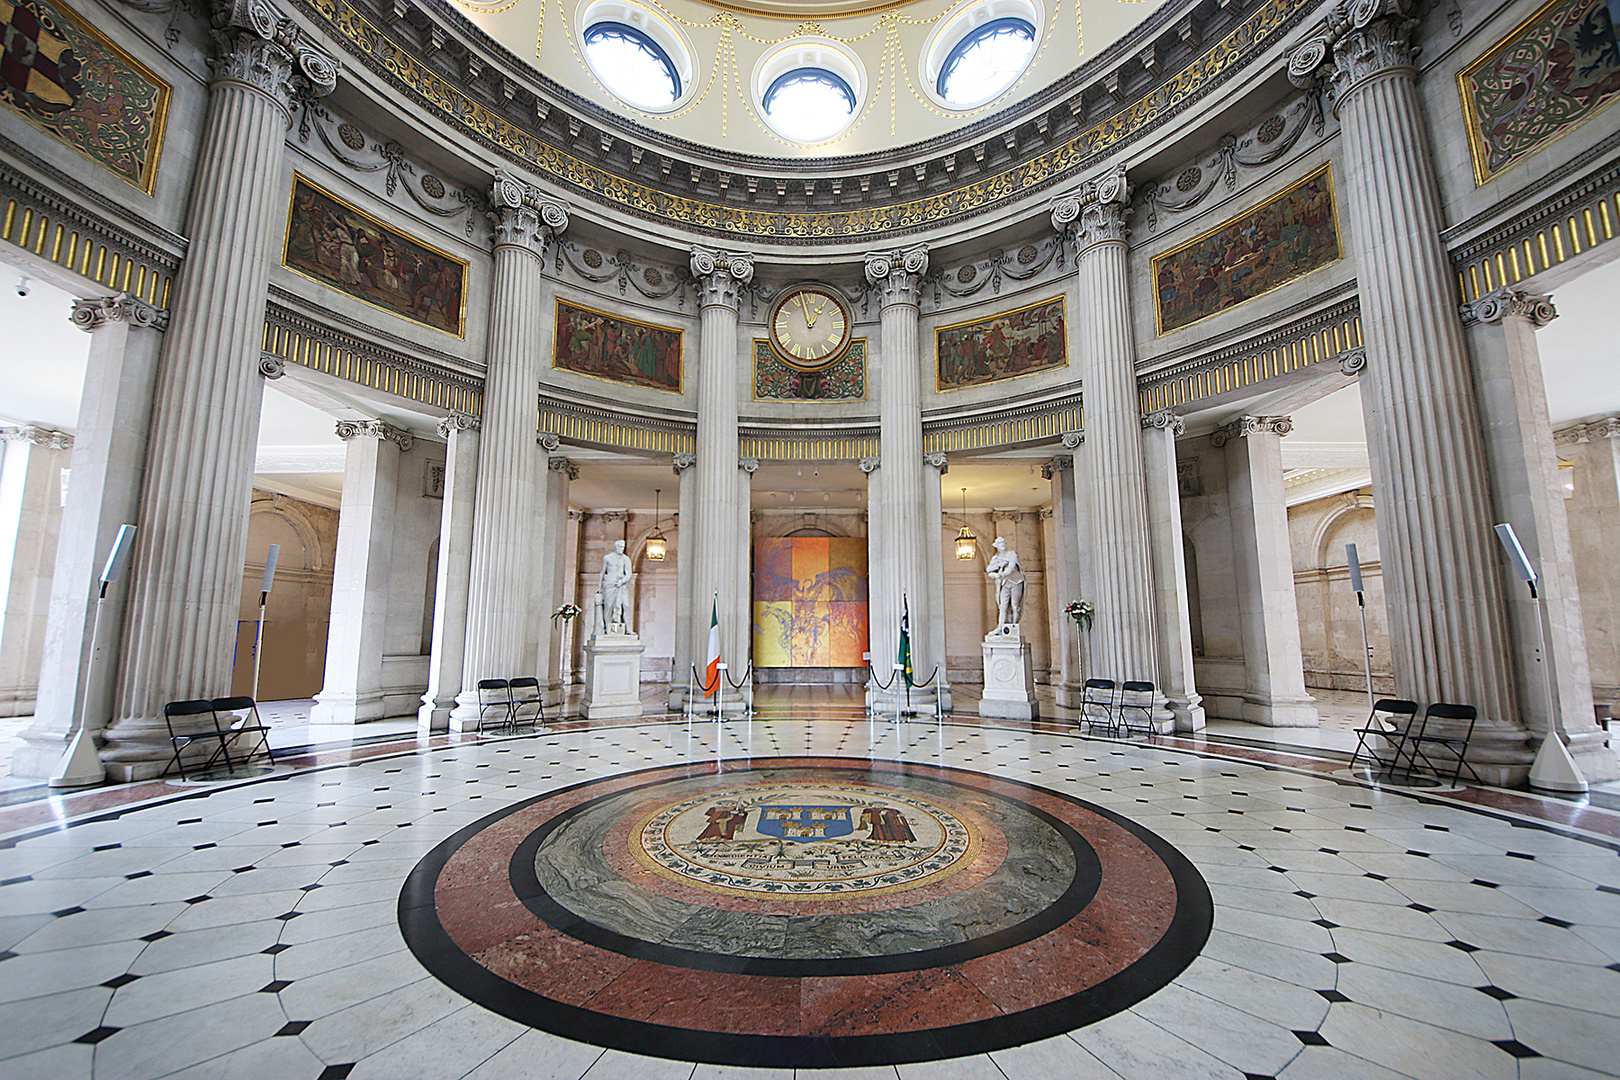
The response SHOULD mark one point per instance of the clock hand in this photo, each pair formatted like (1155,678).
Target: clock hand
(809,320)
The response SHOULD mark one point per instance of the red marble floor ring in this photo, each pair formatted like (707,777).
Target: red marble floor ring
(805,912)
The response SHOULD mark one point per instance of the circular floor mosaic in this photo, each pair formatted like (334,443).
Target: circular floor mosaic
(805,913)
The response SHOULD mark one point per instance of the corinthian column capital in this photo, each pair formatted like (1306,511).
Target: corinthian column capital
(1507,303)
(898,274)
(1359,39)
(255,44)
(92,314)
(523,216)
(721,276)
(1096,211)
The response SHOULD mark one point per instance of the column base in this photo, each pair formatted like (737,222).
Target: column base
(923,701)
(433,718)
(1280,712)
(38,756)
(347,708)
(1189,714)
(1593,755)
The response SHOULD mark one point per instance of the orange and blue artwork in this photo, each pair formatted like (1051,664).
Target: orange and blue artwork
(810,601)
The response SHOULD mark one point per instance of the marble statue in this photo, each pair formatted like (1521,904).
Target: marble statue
(1008,574)
(613,586)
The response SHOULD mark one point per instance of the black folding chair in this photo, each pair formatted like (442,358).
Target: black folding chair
(528,704)
(1136,704)
(1455,730)
(191,722)
(495,697)
(1099,704)
(1389,728)
(240,720)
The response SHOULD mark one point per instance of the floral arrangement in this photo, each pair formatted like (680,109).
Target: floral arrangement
(1081,612)
(566,613)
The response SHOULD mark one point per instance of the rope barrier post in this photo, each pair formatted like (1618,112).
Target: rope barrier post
(899,673)
(720,696)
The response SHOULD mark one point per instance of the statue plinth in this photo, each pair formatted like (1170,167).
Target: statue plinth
(612,676)
(1009,676)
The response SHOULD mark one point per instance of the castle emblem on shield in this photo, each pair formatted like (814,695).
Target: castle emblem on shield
(805,824)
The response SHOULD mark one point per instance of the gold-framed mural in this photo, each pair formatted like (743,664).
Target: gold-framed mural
(1263,248)
(775,380)
(622,350)
(67,79)
(1008,345)
(340,246)
(1552,73)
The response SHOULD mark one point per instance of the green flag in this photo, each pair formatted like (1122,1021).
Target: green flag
(904,659)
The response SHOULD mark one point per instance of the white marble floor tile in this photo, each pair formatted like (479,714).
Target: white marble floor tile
(275,1057)
(36,974)
(1250,1045)
(1057,1056)
(1328,1063)
(1139,1050)
(1443,1004)
(160,1047)
(1414,1048)
(1587,1039)
(451,1047)
(350,1034)
(618,1065)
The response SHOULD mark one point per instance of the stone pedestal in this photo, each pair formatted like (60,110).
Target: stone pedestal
(1009,677)
(612,677)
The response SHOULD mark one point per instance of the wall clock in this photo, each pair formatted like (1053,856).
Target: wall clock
(810,327)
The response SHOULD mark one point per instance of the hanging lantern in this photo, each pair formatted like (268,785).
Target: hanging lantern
(967,545)
(657,546)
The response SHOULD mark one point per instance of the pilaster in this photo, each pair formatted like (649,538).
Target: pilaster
(1272,656)
(1064,569)
(1526,492)
(351,692)
(560,473)
(1159,433)
(180,632)
(936,465)
(1443,588)
(460,434)
(31,463)
(684,467)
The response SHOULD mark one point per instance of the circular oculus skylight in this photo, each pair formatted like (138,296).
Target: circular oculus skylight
(636,55)
(974,56)
(810,90)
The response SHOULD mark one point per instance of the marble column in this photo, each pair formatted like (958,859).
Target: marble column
(460,435)
(351,692)
(1159,432)
(907,537)
(1064,574)
(718,545)
(1527,494)
(560,473)
(1272,656)
(30,518)
(934,564)
(109,457)
(1122,639)
(186,584)
(686,511)
(1443,588)
(525,223)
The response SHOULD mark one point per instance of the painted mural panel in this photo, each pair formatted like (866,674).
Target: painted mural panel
(776,381)
(1284,238)
(72,83)
(1021,342)
(1555,70)
(810,605)
(345,248)
(612,347)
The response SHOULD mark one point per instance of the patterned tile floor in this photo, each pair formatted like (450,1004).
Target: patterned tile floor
(251,929)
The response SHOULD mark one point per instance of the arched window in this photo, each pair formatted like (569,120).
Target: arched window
(809,104)
(632,65)
(986,61)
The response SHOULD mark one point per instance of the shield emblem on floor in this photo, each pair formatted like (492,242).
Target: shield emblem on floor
(805,824)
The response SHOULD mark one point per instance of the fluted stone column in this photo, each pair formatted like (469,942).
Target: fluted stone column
(1272,655)
(1123,634)
(525,222)
(1527,493)
(180,631)
(560,473)
(1159,432)
(718,546)
(109,458)
(905,536)
(1443,588)
(1064,572)
(351,692)
(460,433)
(936,466)
(685,572)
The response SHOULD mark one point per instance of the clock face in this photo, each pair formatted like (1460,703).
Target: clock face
(810,326)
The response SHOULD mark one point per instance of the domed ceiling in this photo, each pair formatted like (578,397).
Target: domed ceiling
(725,60)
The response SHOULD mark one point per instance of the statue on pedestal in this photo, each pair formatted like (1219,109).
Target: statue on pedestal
(1008,574)
(613,591)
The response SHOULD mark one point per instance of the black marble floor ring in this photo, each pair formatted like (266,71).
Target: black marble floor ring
(805,912)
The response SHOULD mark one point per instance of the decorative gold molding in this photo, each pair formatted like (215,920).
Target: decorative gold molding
(454,106)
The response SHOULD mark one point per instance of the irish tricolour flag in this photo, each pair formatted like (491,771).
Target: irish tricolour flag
(711,674)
